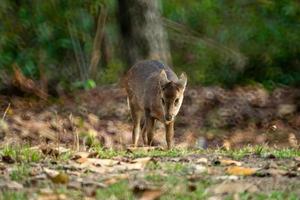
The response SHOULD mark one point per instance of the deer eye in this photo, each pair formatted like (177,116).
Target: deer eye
(176,102)
(163,101)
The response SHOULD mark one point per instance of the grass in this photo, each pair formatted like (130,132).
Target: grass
(274,195)
(110,153)
(120,190)
(171,177)
(20,172)
(259,150)
(13,195)
(21,153)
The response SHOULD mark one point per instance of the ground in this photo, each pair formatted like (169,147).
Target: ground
(48,172)
(229,144)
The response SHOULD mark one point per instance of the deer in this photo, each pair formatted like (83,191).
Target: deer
(154,93)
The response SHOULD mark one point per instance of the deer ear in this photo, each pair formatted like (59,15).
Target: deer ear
(182,80)
(163,79)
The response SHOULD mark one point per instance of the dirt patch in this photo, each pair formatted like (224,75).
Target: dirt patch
(210,117)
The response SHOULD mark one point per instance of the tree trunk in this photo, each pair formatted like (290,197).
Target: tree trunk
(142,31)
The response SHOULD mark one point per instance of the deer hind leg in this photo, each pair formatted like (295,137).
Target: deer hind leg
(144,134)
(149,126)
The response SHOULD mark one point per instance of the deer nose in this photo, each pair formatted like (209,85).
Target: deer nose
(169,117)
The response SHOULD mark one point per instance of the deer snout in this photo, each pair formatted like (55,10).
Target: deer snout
(169,117)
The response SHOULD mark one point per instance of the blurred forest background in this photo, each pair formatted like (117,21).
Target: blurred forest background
(242,59)
(217,42)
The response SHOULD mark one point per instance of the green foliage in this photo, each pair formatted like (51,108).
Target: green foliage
(112,73)
(21,153)
(13,195)
(20,172)
(87,84)
(222,42)
(260,150)
(265,32)
(118,190)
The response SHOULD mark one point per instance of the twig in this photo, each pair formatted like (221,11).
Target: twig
(5,112)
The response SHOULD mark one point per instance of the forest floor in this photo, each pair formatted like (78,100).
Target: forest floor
(45,172)
(230,144)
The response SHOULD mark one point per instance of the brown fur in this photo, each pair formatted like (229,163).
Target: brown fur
(154,93)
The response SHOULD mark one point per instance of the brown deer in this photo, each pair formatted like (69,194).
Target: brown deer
(155,93)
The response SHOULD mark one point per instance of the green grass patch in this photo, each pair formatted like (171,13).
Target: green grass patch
(20,172)
(13,195)
(111,153)
(21,153)
(274,195)
(120,190)
(258,150)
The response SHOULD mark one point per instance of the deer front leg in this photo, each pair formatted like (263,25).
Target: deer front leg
(144,134)
(169,134)
(136,117)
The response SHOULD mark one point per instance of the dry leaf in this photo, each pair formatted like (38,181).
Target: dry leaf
(57,177)
(102,162)
(52,196)
(232,187)
(240,171)
(226,162)
(80,154)
(115,179)
(202,161)
(143,192)
(151,194)
(81,160)
(61,178)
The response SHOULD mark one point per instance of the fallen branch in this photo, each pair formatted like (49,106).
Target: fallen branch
(27,85)
(5,112)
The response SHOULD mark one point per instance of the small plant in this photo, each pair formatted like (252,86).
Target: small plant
(20,172)
(21,154)
(13,195)
(118,190)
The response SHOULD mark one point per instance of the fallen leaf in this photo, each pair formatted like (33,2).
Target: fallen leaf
(232,187)
(102,162)
(197,169)
(240,171)
(202,161)
(151,194)
(225,162)
(115,179)
(52,150)
(61,178)
(82,160)
(57,177)
(52,196)
(144,193)
(226,177)
(50,172)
